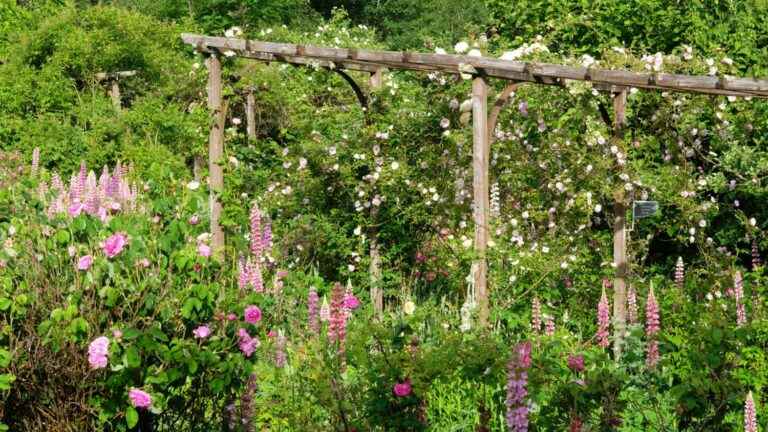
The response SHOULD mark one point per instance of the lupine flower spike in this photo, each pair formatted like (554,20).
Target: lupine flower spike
(536,316)
(652,327)
(632,305)
(756,260)
(517,392)
(603,321)
(313,310)
(738,294)
(680,273)
(750,414)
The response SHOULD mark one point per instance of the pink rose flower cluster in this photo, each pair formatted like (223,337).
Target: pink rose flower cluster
(139,398)
(98,351)
(114,244)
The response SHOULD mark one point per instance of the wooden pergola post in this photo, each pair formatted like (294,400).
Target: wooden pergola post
(619,233)
(114,88)
(250,113)
(215,153)
(481,203)
(375,82)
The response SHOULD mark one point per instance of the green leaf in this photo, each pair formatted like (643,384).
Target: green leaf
(131,417)
(132,357)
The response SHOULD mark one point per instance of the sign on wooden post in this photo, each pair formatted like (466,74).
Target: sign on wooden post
(215,153)
(481,199)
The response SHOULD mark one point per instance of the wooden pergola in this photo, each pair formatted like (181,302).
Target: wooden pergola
(481,69)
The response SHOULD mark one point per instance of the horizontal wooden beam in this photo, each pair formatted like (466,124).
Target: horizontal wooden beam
(101,76)
(542,73)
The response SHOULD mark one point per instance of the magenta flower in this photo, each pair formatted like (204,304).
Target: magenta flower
(402,389)
(337,324)
(252,314)
(652,327)
(576,363)
(84,263)
(194,220)
(201,332)
(139,398)
(115,244)
(517,392)
(351,302)
(204,250)
(75,209)
(247,343)
(750,414)
(603,321)
(313,310)
(97,352)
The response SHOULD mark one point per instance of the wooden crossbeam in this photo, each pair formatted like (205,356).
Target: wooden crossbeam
(541,73)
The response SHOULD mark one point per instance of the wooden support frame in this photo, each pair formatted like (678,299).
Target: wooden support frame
(250,113)
(375,82)
(619,233)
(216,153)
(114,88)
(374,62)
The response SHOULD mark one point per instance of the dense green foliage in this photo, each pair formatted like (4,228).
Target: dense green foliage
(331,177)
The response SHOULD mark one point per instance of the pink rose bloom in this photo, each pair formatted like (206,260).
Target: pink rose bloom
(117,334)
(194,220)
(402,389)
(231,317)
(204,250)
(115,244)
(252,314)
(247,344)
(139,398)
(271,334)
(97,352)
(351,302)
(75,209)
(202,332)
(84,263)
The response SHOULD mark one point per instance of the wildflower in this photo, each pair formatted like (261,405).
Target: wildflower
(194,220)
(337,323)
(576,363)
(280,350)
(517,381)
(402,389)
(193,185)
(114,244)
(756,261)
(203,250)
(35,160)
(247,343)
(536,315)
(461,47)
(313,310)
(632,305)
(252,314)
(325,311)
(603,321)
(256,235)
(549,325)
(409,307)
(652,327)
(750,414)
(201,332)
(246,403)
(97,352)
(84,263)
(139,398)
(255,279)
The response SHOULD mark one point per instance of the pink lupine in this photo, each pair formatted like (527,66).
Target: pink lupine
(203,250)
(267,235)
(680,273)
(338,320)
(84,263)
(750,414)
(252,314)
(139,398)
(256,233)
(632,305)
(536,315)
(35,161)
(82,178)
(254,273)
(313,310)
(652,327)
(738,294)
(549,325)
(325,311)
(115,244)
(280,358)
(603,321)
(56,182)
(517,392)
(242,273)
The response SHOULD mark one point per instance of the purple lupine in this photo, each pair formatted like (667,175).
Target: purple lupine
(337,324)
(56,182)
(313,310)
(756,260)
(632,305)
(280,350)
(256,233)
(680,273)
(549,325)
(738,294)
(267,236)
(246,403)
(536,315)
(517,381)
(35,161)
(750,414)
(603,321)
(256,280)
(652,327)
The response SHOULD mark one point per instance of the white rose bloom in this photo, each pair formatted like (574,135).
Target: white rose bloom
(461,47)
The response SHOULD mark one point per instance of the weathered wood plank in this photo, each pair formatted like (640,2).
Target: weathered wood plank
(215,153)
(481,199)
(542,73)
(619,234)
